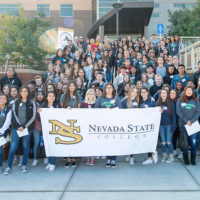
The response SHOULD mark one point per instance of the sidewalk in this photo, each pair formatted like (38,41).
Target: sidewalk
(161,181)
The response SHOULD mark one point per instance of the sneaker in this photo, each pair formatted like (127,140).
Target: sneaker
(7,171)
(52,167)
(127,158)
(113,164)
(67,164)
(131,161)
(155,157)
(73,164)
(180,156)
(35,162)
(175,153)
(163,159)
(47,167)
(91,162)
(170,160)
(46,161)
(148,161)
(24,169)
(108,164)
(20,161)
(88,161)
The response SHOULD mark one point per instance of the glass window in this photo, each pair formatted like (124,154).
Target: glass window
(191,5)
(66,10)
(11,9)
(179,5)
(155,15)
(43,10)
(156,5)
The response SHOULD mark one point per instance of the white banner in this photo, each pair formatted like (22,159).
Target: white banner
(64,35)
(100,132)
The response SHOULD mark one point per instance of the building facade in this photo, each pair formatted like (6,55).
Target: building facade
(74,14)
(81,14)
(159,15)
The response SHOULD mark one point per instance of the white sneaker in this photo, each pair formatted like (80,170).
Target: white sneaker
(180,156)
(131,161)
(24,169)
(148,161)
(155,157)
(51,167)
(35,162)
(47,167)
(127,158)
(170,160)
(46,161)
(7,171)
(20,161)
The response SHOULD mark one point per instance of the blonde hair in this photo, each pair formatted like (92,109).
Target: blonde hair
(86,96)
(129,102)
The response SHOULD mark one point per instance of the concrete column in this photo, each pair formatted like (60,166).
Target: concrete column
(146,32)
(101,32)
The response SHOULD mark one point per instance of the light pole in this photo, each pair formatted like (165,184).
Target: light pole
(117,6)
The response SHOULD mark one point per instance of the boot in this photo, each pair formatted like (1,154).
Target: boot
(193,159)
(186,159)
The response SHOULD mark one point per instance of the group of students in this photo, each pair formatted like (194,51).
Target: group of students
(102,74)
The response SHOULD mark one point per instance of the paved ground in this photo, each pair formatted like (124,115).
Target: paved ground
(161,181)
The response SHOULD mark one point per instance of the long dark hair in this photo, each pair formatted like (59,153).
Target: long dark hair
(104,91)
(29,97)
(67,95)
(1,94)
(177,95)
(55,104)
(167,102)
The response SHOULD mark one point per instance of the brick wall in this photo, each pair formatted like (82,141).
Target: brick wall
(26,75)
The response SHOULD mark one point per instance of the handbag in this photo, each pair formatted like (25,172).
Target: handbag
(183,140)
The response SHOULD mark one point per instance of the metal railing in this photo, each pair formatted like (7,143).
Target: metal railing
(190,56)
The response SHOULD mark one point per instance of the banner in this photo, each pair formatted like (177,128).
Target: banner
(100,132)
(64,35)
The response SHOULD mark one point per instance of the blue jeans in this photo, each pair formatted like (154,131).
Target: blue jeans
(1,156)
(166,138)
(52,160)
(192,140)
(14,144)
(36,135)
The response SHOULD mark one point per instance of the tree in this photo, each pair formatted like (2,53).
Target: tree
(185,22)
(19,39)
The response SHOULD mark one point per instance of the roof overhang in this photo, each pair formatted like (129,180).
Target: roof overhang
(133,16)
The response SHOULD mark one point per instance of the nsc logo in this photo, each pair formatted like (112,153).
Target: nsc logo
(59,128)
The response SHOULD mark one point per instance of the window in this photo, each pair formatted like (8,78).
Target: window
(155,15)
(191,5)
(156,5)
(66,10)
(179,5)
(43,10)
(11,9)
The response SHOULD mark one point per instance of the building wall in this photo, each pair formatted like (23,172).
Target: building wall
(160,14)
(81,20)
